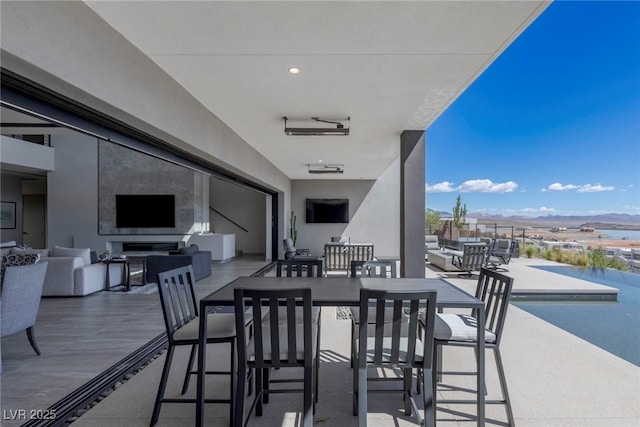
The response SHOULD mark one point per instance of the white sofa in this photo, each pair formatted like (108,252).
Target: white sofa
(71,273)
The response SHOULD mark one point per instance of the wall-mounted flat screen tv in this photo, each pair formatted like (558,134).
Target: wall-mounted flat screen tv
(327,211)
(145,211)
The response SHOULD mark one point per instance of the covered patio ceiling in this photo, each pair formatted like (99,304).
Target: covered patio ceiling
(388,65)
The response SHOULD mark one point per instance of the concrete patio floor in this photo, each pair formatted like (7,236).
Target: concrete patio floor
(554,377)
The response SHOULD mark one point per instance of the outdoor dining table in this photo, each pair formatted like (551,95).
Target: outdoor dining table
(343,291)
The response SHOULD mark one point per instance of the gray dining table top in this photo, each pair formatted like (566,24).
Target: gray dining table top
(345,291)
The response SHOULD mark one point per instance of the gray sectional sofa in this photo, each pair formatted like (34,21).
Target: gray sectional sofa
(70,271)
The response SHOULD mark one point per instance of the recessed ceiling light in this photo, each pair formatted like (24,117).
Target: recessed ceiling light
(320,161)
(294,70)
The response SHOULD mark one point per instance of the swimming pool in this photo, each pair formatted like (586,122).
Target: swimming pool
(612,326)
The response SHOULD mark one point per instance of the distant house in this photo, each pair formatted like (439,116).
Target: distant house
(587,230)
(558,229)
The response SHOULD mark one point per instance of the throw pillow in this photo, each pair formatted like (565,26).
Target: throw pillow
(16,260)
(41,252)
(72,252)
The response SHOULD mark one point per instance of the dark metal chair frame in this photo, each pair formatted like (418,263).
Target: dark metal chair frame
(290,251)
(260,300)
(299,267)
(495,290)
(367,269)
(308,268)
(374,268)
(496,258)
(178,300)
(472,259)
(399,315)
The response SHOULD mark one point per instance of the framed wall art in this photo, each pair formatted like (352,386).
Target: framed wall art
(7,214)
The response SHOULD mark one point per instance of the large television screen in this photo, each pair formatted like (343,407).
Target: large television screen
(327,211)
(145,211)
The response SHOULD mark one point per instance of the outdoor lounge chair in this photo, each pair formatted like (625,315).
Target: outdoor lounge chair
(472,258)
(501,253)
(290,251)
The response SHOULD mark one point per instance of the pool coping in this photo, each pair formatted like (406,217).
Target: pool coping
(567,295)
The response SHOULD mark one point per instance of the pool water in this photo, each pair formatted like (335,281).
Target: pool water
(612,326)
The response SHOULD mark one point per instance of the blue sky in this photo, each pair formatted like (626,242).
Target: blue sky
(552,127)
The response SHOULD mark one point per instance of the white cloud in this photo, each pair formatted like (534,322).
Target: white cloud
(442,187)
(541,209)
(585,188)
(588,188)
(556,186)
(473,186)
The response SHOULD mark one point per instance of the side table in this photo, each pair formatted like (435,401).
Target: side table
(125,272)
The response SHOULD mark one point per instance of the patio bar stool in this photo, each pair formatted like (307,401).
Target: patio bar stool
(277,344)
(395,332)
(179,308)
(460,330)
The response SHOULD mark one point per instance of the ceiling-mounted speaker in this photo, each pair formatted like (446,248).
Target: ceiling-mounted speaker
(325,169)
(339,128)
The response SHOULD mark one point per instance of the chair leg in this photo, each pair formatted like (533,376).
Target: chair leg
(187,375)
(428,398)
(355,387)
(32,340)
(266,374)
(407,380)
(437,362)
(238,407)
(362,397)
(307,420)
(162,386)
(503,385)
(260,374)
(316,381)
(232,380)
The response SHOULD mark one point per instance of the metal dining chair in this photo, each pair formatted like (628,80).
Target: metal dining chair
(460,330)
(179,307)
(310,268)
(398,338)
(380,268)
(277,344)
(299,267)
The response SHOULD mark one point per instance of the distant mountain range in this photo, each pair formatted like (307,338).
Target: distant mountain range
(609,220)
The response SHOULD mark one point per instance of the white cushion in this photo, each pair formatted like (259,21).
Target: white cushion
(219,325)
(85,254)
(282,315)
(371,316)
(284,343)
(459,327)
(9,244)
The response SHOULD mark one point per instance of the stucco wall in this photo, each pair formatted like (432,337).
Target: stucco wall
(67,48)
(374,212)
(245,207)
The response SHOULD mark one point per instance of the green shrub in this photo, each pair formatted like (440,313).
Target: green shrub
(530,251)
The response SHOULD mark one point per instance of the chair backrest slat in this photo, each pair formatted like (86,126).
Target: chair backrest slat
(395,339)
(494,289)
(177,297)
(299,267)
(275,304)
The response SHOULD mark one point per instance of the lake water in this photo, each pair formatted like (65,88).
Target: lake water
(612,326)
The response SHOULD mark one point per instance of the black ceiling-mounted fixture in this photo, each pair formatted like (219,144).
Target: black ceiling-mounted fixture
(324,169)
(340,129)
